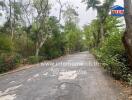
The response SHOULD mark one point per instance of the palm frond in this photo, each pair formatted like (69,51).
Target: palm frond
(2,4)
(91,3)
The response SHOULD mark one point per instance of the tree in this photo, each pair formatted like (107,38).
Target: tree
(92,34)
(55,45)
(13,13)
(102,11)
(61,9)
(73,34)
(40,25)
(127,38)
(92,31)
(73,37)
(70,14)
(2,6)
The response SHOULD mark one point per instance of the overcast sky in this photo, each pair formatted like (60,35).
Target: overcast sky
(84,16)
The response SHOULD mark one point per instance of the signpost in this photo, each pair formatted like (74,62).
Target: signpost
(117,11)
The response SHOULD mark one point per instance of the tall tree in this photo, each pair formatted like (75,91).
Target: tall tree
(127,39)
(72,32)
(70,14)
(2,6)
(13,13)
(40,25)
(91,33)
(102,11)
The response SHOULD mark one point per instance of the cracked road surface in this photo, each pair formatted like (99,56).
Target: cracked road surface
(73,77)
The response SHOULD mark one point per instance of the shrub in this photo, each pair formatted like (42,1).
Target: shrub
(34,59)
(113,57)
(24,46)
(9,61)
(51,49)
(6,44)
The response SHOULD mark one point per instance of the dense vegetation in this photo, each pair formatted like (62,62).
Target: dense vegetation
(110,52)
(104,39)
(31,35)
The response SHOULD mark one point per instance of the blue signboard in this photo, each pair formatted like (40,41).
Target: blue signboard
(117,11)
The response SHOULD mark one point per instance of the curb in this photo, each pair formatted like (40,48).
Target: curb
(28,67)
(18,70)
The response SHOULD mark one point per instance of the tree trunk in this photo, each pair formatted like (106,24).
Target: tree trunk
(37,52)
(101,32)
(60,12)
(127,38)
(11,25)
(40,45)
(37,49)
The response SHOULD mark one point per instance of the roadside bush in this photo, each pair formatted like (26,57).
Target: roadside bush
(112,56)
(53,48)
(34,59)
(6,44)
(24,46)
(9,61)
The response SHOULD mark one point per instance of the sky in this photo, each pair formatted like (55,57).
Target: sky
(85,16)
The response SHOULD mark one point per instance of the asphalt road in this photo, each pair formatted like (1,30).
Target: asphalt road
(73,77)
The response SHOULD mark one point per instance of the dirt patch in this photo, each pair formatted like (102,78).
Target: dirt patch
(126,90)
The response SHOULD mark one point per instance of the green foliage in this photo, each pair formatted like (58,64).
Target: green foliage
(2,5)
(113,44)
(91,33)
(52,49)
(24,45)
(34,59)
(113,58)
(31,32)
(55,45)
(6,44)
(74,40)
(17,9)
(73,37)
(70,14)
(91,3)
(110,52)
(9,61)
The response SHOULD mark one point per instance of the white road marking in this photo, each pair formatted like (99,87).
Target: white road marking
(8,97)
(11,89)
(12,82)
(35,76)
(29,79)
(70,75)
(63,86)
(5,96)
(45,74)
